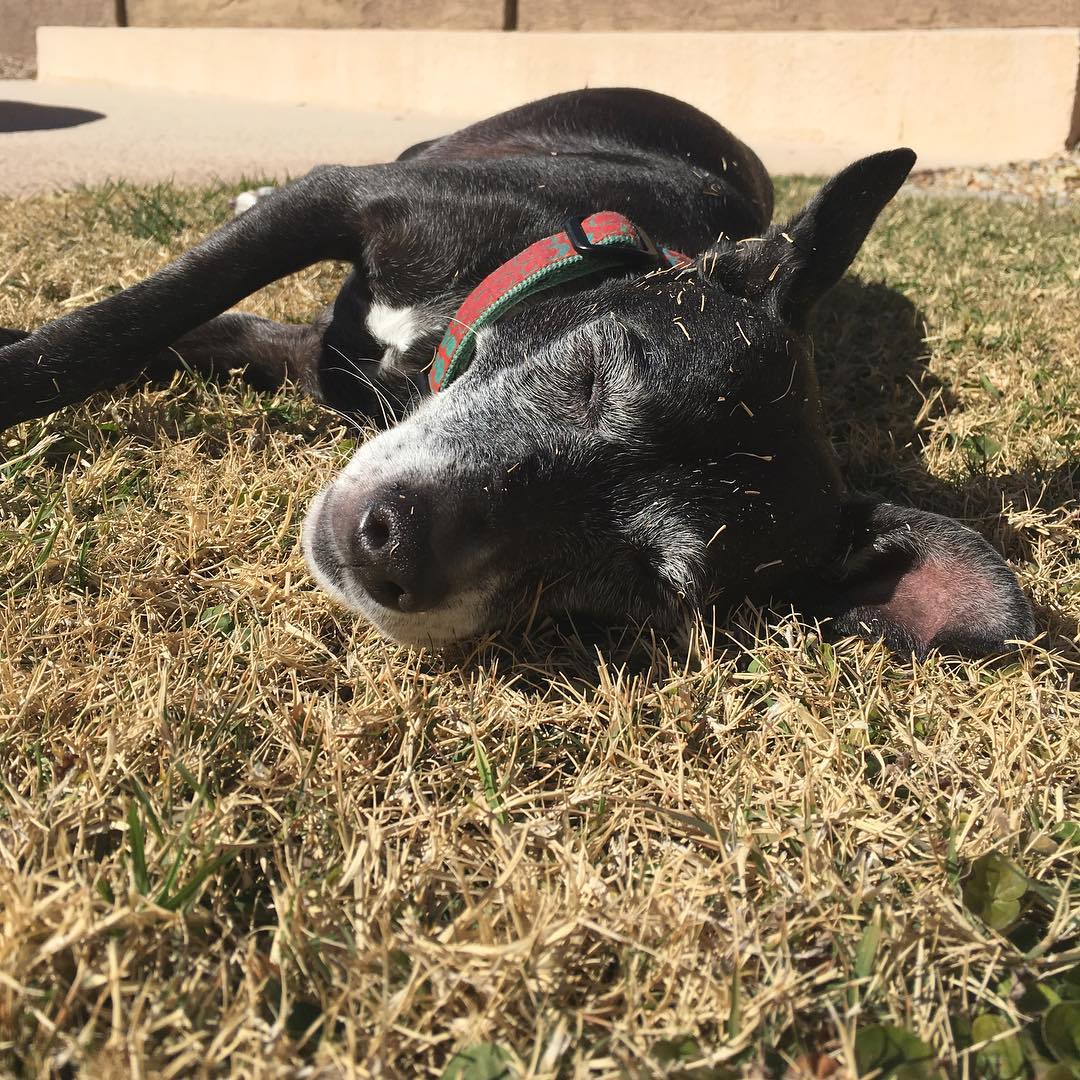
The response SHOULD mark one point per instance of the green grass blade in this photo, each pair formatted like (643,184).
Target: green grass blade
(487,779)
(189,891)
(137,845)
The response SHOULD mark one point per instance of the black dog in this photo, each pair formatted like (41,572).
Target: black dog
(631,445)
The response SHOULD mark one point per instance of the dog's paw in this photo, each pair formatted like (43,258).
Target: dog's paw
(247,199)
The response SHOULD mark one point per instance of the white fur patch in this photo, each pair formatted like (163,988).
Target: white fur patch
(247,199)
(393,327)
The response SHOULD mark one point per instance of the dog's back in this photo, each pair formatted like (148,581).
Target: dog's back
(613,125)
(459,206)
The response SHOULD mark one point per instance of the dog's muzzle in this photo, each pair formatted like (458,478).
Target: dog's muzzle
(421,569)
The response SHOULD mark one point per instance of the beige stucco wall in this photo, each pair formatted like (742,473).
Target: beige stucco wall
(957,96)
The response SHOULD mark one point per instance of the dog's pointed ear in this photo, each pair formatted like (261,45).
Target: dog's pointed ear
(920,581)
(828,231)
(794,264)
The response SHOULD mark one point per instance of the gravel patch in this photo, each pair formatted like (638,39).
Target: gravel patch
(16,67)
(1054,180)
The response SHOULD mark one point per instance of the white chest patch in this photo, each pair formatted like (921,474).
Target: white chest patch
(396,328)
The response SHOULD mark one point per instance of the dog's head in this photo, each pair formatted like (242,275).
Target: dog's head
(637,450)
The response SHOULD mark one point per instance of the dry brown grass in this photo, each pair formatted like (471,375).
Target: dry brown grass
(241,832)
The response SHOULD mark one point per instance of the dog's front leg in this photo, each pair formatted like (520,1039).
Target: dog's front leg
(102,346)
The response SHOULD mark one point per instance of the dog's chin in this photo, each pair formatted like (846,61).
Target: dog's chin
(462,618)
(466,614)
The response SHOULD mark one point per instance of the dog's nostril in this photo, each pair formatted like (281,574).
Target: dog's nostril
(386,592)
(387,545)
(375,529)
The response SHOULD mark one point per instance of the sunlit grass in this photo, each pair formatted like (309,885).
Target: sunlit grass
(241,832)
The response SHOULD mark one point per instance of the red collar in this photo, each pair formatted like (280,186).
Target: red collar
(602,240)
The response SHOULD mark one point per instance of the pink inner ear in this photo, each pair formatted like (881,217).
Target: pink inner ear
(934,596)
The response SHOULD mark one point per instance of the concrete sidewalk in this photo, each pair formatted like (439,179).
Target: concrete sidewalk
(57,135)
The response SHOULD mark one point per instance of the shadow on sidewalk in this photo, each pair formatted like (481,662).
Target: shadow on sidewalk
(26,116)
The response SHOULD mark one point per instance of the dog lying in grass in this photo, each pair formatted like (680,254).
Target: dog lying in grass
(621,420)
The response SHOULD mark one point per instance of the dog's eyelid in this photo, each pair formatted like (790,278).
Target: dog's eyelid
(588,387)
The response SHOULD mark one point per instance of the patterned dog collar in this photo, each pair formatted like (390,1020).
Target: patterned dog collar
(602,240)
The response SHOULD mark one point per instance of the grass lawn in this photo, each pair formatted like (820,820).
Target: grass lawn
(240,832)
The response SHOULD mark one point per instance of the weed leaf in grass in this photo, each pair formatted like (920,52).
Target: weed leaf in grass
(894,1054)
(865,953)
(1061,1031)
(993,890)
(981,448)
(217,620)
(685,1048)
(137,844)
(1068,834)
(1002,1058)
(680,1048)
(484,1061)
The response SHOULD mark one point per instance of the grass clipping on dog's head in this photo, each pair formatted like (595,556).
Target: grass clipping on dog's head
(242,832)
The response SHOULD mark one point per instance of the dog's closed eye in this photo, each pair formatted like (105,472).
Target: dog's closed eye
(603,362)
(590,392)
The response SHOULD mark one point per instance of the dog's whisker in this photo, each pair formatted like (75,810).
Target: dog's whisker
(382,396)
(358,373)
(350,420)
(364,380)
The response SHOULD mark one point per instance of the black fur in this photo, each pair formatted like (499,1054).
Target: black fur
(628,447)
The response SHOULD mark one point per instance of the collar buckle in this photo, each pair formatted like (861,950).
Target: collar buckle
(642,250)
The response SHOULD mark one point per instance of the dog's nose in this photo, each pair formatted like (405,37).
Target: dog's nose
(388,542)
